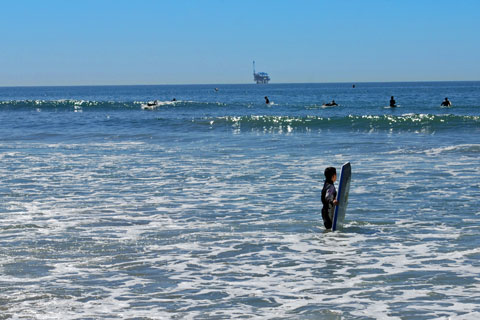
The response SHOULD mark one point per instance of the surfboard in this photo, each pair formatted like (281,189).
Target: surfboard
(156,104)
(342,197)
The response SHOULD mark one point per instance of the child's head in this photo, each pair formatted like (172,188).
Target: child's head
(331,174)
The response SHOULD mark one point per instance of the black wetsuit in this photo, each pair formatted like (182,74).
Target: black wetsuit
(331,104)
(329,193)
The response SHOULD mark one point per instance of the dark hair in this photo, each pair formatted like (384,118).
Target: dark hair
(330,172)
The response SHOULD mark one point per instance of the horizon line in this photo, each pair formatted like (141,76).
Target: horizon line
(222,84)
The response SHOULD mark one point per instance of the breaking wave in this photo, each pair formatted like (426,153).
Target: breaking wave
(73,104)
(406,122)
(240,116)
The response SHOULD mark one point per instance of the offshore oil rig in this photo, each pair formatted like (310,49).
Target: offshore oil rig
(260,77)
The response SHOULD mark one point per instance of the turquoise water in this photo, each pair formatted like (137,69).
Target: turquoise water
(209,207)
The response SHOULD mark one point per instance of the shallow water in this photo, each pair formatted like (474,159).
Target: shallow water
(210,207)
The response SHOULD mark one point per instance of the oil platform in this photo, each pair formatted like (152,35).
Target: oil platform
(260,77)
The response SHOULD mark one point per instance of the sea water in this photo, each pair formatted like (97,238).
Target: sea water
(209,207)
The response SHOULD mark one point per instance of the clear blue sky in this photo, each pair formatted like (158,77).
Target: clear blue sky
(90,42)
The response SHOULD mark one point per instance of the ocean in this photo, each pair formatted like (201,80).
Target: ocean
(209,207)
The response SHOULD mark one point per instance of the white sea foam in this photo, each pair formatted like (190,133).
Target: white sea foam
(91,234)
(463,148)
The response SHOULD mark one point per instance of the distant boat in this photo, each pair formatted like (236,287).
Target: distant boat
(260,77)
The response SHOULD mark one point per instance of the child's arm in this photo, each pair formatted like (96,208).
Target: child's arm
(330,196)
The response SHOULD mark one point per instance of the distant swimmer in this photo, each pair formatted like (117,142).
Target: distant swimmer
(174,99)
(266,100)
(216,89)
(331,104)
(353,86)
(393,103)
(446,103)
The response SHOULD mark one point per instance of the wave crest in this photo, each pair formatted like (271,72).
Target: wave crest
(407,122)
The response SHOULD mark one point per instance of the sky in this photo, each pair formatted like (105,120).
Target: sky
(119,42)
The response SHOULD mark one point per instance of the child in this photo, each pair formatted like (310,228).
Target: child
(329,195)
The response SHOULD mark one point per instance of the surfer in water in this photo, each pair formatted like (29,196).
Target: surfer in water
(393,103)
(331,104)
(151,104)
(446,103)
(266,100)
(329,196)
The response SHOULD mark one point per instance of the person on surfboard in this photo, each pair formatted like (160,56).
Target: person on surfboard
(331,104)
(446,103)
(266,100)
(329,196)
(393,103)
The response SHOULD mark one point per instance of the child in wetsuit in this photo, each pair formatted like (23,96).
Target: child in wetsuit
(329,196)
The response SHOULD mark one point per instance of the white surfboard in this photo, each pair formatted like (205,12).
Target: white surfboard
(342,197)
(155,104)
